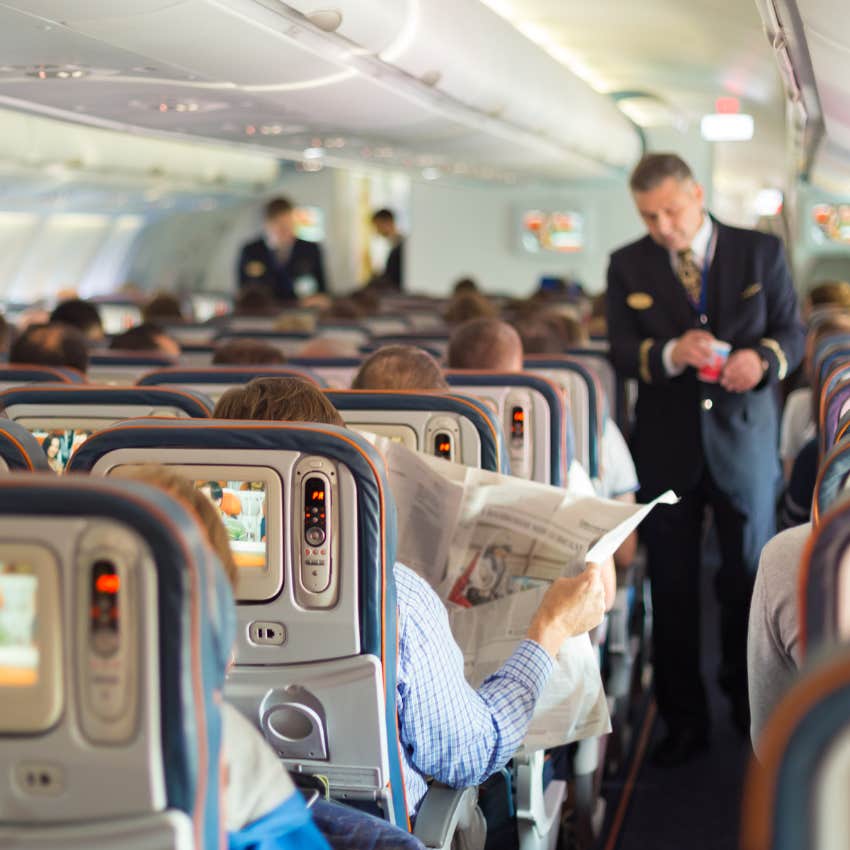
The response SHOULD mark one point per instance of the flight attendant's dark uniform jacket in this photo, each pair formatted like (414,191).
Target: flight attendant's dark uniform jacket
(258,264)
(684,425)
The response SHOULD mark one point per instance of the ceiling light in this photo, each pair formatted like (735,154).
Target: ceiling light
(313,153)
(724,127)
(271,129)
(431,173)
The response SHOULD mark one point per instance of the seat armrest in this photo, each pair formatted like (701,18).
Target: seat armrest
(443,811)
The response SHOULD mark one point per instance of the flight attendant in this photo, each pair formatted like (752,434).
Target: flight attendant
(279,259)
(705,317)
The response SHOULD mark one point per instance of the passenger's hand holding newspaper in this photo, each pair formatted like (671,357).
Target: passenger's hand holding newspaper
(571,606)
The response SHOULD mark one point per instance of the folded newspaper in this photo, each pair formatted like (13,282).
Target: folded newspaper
(490,544)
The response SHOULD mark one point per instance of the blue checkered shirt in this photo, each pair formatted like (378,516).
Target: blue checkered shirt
(448,729)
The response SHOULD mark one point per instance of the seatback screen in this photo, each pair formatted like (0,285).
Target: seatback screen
(19,652)
(60,444)
(242,505)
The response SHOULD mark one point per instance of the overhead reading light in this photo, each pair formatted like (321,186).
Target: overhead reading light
(726,127)
(53,72)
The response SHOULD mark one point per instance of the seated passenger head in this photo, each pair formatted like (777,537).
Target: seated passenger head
(255,300)
(465,284)
(368,299)
(279,215)
(6,334)
(384,223)
(598,323)
(400,367)
(485,344)
(278,400)
(469,305)
(81,315)
(163,307)
(247,352)
(146,337)
(196,502)
(826,294)
(344,308)
(538,336)
(53,344)
(327,346)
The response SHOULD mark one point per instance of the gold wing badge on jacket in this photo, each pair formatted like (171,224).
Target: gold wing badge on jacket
(639,300)
(751,290)
(255,268)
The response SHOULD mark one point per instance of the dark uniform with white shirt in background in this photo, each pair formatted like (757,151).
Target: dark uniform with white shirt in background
(278,260)
(688,283)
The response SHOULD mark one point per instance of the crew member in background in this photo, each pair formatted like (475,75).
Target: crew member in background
(674,298)
(384,223)
(279,259)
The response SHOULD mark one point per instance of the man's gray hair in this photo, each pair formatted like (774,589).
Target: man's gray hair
(654,168)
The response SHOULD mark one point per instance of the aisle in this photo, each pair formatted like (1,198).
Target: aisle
(697,805)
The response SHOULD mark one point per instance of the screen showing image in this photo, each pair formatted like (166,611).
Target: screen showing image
(831,223)
(18,647)
(59,445)
(242,505)
(309,223)
(556,232)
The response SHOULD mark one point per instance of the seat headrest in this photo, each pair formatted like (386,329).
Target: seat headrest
(223,375)
(19,450)
(191,403)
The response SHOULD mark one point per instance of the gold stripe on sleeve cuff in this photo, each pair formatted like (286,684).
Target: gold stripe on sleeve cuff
(776,348)
(645,374)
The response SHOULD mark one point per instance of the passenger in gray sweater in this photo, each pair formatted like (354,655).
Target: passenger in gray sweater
(773,649)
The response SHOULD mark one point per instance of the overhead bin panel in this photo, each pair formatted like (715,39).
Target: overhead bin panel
(375,25)
(830,55)
(483,61)
(212,42)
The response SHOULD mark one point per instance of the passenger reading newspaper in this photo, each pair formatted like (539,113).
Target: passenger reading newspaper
(491,545)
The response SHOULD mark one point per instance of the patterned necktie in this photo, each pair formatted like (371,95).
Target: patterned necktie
(690,274)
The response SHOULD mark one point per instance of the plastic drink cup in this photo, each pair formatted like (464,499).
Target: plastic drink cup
(710,373)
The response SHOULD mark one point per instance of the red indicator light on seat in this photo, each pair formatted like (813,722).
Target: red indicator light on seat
(107,583)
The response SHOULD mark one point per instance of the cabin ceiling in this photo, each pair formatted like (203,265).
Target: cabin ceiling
(685,54)
(396,84)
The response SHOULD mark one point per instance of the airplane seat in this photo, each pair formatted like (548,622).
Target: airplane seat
(82,401)
(824,589)
(532,411)
(289,343)
(446,425)
(116,641)
(62,416)
(832,481)
(214,381)
(836,405)
(19,450)
(124,368)
(435,342)
(336,372)
(18,374)
(795,796)
(586,405)
(316,646)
